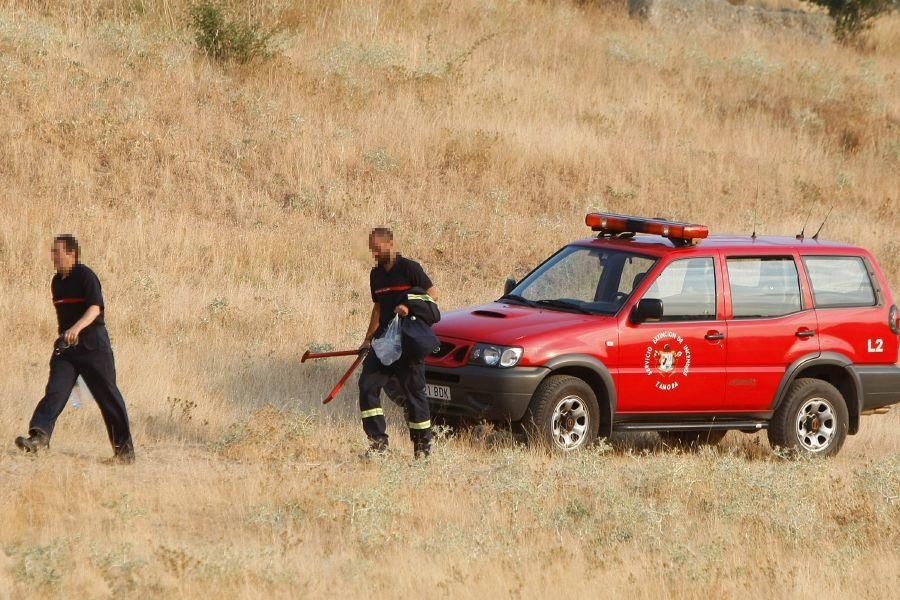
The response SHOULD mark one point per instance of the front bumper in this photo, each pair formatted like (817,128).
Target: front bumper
(880,385)
(485,392)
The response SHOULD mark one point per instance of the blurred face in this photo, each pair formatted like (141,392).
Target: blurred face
(62,261)
(382,249)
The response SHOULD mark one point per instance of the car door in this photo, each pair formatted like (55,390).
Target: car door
(676,364)
(771,324)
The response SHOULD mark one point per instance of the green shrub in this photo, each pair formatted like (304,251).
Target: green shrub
(226,39)
(852,17)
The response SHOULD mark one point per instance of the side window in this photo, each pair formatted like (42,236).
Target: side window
(766,286)
(634,270)
(839,281)
(687,289)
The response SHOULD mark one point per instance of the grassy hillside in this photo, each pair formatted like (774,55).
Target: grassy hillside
(225,207)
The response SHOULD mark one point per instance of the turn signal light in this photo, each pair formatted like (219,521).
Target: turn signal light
(606,223)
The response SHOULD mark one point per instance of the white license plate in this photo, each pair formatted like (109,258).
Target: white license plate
(437,392)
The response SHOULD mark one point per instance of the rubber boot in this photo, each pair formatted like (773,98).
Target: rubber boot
(34,443)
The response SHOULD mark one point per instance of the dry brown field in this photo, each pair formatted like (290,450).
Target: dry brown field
(225,208)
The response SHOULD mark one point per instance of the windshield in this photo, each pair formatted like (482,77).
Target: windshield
(583,279)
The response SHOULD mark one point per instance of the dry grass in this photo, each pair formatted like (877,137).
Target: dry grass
(225,209)
(884,37)
(798,5)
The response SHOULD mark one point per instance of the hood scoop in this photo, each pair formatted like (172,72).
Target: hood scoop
(489,313)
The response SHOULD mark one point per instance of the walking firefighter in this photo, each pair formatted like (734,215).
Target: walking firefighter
(83,348)
(400,288)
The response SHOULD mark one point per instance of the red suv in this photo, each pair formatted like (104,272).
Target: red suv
(680,333)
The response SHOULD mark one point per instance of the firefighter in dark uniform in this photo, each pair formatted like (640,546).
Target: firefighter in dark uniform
(390,282)
(83,348)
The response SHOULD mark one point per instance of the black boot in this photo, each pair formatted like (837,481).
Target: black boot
(123,455)
(34,443)
(377,447)
(120,458)
(421,450)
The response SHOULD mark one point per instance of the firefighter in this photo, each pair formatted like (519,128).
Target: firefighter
(391,282)
(83,348)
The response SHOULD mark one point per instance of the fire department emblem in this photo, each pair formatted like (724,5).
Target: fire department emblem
(668,359)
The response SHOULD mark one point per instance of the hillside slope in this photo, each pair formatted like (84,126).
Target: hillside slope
(225,208)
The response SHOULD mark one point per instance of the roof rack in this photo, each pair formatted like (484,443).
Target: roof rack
(680,234)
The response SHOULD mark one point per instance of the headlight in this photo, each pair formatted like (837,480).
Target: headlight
(490,355)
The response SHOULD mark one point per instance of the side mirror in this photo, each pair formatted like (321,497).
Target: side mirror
(509,286)
(647,309)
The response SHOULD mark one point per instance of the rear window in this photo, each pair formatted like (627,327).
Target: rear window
(763,286)
(839,281)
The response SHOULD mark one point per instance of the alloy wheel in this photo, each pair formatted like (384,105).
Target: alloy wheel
(570,423)
(816,424)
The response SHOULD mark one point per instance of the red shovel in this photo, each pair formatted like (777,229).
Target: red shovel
(360,356)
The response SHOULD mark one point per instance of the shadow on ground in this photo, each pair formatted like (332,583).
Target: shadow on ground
(496,436)
(289,385)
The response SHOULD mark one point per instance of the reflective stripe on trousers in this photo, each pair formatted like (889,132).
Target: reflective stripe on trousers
(405,383)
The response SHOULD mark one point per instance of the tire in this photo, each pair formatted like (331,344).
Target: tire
(813,419)
(688,439)
(563,414)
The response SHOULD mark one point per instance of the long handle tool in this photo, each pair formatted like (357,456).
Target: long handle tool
(340,384)
(310,355)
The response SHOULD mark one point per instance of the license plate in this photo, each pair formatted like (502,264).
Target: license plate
(437,392)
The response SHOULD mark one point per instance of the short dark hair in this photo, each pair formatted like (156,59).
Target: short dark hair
(70,243)
(381,232)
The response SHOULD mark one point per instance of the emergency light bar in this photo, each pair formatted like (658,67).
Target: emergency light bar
(680,233)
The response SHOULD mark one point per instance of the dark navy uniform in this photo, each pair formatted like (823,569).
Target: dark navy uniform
(405,379)
(92,358)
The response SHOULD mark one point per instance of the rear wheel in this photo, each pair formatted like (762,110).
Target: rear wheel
(686,439)
(563,414)
(813,419)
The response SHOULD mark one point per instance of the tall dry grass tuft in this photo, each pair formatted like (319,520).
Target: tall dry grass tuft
(225,208)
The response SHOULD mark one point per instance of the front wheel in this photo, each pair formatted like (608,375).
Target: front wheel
(813,419)
(563,414)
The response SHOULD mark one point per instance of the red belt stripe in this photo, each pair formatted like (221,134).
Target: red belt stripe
(394,288)
(69,301)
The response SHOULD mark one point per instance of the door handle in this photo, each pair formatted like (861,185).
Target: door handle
(805,333)
(715,336)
